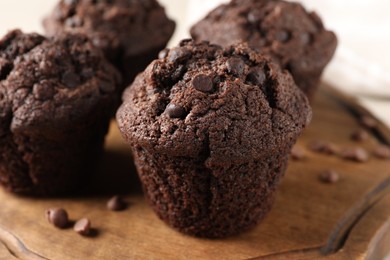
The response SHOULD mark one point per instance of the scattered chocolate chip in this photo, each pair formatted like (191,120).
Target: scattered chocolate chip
(70,79)
(360,135)
(382,152)
(324,147)
(368,122)
(256,76)
(203,83)
(58,217)
(178,54)
(175,111)
(355,154)
(164,53)
(82,226)
(254,16)
(282,36)
(297,153)
(329,176)
(116,203)
(235,66)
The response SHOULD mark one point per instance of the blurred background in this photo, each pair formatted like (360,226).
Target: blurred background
(361,66)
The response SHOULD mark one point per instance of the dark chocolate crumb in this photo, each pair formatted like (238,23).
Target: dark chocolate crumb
(203,83)
(70,79)
(329,176)
(58,217)
(116,203)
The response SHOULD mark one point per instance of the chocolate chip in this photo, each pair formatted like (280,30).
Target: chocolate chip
(116,203)
(235,66)
(43,90)
(58,217)
(368,122)
(324,147)
(70,79)
(178,54)
(329,176)
(360,136)
(164,53)
(355,154)
(203,83)
(256,76)
(297,153)
(254,16)
(382,152)
(82,226)
(175,111)
(282,36)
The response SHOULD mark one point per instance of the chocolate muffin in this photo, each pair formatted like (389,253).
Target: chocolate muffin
(56,100)
(211,130)
(131,33)
(285,31)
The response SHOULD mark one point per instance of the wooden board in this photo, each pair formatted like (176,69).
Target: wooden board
(345,220)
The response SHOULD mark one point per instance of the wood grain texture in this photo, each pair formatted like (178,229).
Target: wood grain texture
(300,226)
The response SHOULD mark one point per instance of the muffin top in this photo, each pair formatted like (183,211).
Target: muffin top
(285,31)
(118,27)
(204,101)
(48,84)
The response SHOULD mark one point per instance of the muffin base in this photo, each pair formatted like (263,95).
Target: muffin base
(209,201)
(42,165)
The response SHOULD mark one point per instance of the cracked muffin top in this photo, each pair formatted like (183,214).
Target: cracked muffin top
(218,104)
(118,27)
(48,84)
(285,31)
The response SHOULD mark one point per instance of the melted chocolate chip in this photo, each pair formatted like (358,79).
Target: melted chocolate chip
(203,83)
(175,111)
(256,76)
(5,68)
(235,66)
